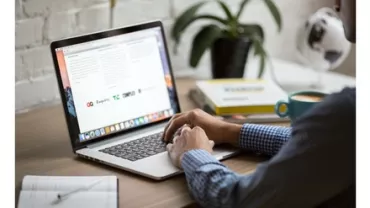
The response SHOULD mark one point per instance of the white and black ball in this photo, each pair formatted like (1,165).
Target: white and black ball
(321,41)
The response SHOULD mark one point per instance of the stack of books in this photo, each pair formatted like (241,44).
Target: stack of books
(239,100)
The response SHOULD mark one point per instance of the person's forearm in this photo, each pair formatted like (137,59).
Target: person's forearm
(232,134)
(264,139)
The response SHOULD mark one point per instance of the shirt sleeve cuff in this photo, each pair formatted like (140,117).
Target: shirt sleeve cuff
(193,159)
(244,133)
(263,138)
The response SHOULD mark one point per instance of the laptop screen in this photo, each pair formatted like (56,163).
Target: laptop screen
(117,83)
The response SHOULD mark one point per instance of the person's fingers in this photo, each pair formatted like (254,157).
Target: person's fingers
(185,129)
(198,129)
(169,147)
(170,151)
(173,126)
(178,131)
(212,143)
(169,122)
(174,140)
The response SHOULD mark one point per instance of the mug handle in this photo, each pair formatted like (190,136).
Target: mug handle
(277,109)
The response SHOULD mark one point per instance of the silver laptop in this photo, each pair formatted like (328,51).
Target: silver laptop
(118,93)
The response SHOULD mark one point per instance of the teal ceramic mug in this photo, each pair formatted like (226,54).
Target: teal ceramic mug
(298,103)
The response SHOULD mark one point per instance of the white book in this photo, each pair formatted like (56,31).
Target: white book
(240,96)
(73,191)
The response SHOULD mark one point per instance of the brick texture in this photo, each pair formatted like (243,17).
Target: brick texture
(19,72)
(60,25)
(18,9)
(134,11)
(45,7)
(94,18)
(28,32)
(37,61)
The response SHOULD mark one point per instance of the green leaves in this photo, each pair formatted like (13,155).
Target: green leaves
(272,8)
(227,11)
(242,5)
(275,13)
(256,35)
(202,41)
(259,51)
(262,65)
(252,30)
(186,18)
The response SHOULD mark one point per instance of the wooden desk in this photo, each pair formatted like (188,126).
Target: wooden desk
(43,148)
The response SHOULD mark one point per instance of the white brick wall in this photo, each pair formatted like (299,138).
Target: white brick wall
(94,18)
(28,32)
(130,12)
(37,61)
(60,25)
(38,22)
(18,9)
(45,7)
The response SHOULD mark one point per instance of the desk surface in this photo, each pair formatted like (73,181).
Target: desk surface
(43,148)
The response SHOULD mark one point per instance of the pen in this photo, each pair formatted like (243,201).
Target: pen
(61,196)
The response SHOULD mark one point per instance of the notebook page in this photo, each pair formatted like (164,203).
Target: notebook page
(48,199)
(66,183)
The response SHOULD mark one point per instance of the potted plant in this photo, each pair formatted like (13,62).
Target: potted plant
(228,38)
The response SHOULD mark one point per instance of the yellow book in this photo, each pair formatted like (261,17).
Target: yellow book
(240,96)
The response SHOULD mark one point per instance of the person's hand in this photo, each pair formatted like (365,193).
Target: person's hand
(188,139)
(217,130)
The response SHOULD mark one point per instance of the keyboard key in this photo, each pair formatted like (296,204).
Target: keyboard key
(143,155)
(122,155)
(151,153)
(112,152)
(159,150)
(104,150)
(138,157)
(128,155)
(132,158)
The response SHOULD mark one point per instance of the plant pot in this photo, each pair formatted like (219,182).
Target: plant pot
(228,57)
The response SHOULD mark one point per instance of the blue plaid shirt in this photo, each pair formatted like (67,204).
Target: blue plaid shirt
(313,162)
(208,179)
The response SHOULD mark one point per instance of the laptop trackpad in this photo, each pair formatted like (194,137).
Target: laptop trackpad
(158,165)
(221,152)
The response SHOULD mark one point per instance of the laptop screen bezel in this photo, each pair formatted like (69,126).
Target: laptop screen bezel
(96,36)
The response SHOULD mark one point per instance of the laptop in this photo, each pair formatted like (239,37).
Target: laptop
(118,93)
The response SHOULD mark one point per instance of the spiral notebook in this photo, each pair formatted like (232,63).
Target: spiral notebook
(69,192)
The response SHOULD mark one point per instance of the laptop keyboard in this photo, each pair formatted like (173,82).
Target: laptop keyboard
(139,148)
